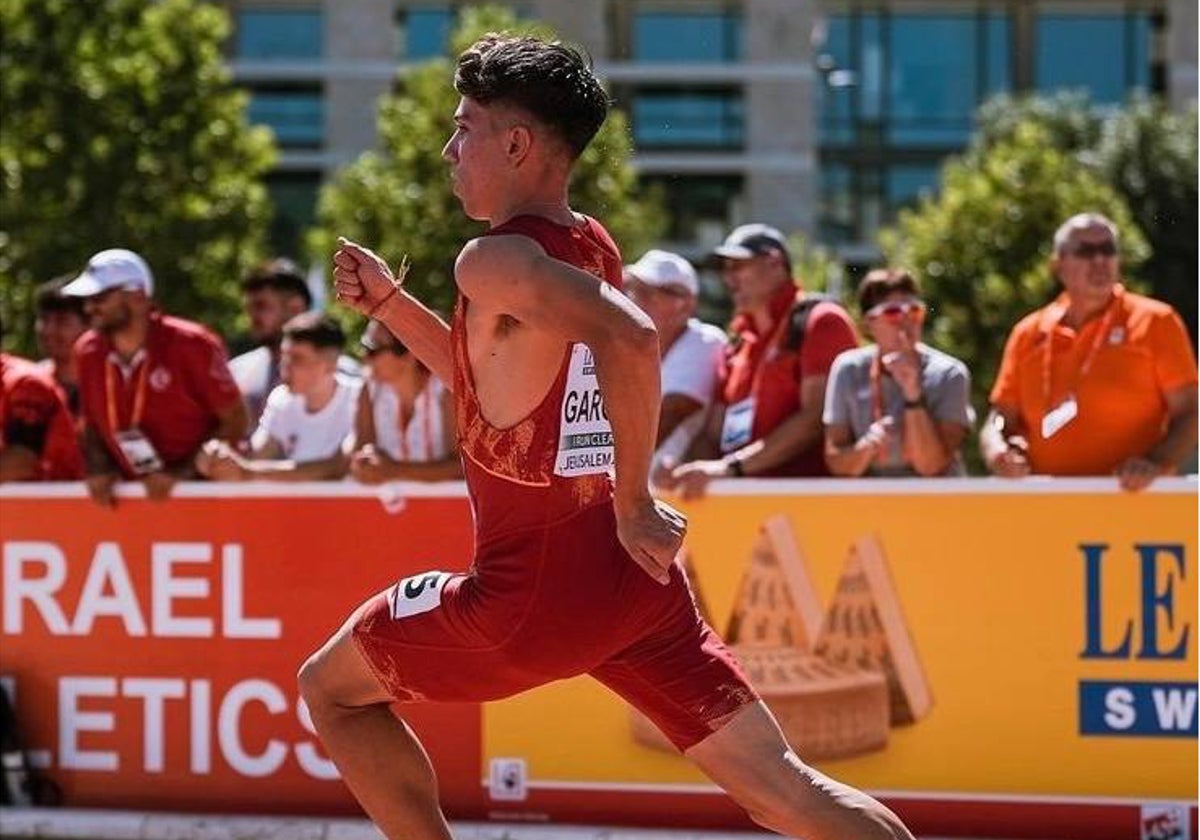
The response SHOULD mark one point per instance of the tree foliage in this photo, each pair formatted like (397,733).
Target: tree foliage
(121,128)
(397,198)
(982,246)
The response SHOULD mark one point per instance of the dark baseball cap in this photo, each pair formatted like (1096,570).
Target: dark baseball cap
(751,240)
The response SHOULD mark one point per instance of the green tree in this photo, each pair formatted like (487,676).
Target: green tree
(121,127)
(397,199)
(1144,151)
(1148,154)
(982,246)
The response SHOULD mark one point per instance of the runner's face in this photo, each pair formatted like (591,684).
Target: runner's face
(476,154)
(1089,265)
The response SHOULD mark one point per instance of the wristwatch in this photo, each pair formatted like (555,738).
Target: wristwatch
(919,402)
(736,468)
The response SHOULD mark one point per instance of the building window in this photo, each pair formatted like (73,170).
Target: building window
(278,34)
(1107,55)
(700,36)
(294,196)
(423,32)
(688,119)
(905,184)
(295,113)
(698,206)
(932,92)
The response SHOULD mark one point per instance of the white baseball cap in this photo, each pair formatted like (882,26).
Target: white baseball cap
(116,268)
(662,268)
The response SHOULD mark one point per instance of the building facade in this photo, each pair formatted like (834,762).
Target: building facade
(820,117)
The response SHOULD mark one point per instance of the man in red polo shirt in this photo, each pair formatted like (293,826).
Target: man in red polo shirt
(153,388)
(772,386)
(37,437)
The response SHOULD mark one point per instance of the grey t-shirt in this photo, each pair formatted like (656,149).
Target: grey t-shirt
(946,384)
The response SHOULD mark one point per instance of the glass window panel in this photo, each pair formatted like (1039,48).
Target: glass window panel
(837,206)
(273,34)
(662,36)
(688,120)
(999,54)
(836,94)
(905,183)
(294,195)
(1082,51)
(697,204)
(296,116)
(425,32)
(932,79)
(870,68)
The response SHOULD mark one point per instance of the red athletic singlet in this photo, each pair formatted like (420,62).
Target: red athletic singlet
(551,592)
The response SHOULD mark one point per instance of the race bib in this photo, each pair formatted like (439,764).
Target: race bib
(738,429)
(585,444)
(417,594)
(139,452)
(1058,417)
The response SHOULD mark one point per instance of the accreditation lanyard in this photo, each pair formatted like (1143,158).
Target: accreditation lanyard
(876,388)
(112,399)
(1048,358)
(402,427)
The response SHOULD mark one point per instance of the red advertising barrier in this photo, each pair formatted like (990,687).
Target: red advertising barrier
(153,649)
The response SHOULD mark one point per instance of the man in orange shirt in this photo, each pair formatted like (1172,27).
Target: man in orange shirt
(1101,381)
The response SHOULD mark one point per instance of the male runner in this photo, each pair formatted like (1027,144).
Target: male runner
(573,573)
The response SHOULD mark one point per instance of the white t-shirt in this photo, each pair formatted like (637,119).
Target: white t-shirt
(690,368)
(257,375)
(691,364)
(304,435)
(424,438)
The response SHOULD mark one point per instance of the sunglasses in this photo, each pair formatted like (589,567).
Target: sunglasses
(394,349)
(1087,250)
(896,310)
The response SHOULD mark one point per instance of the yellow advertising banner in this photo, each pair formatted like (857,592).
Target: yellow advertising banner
(953,638)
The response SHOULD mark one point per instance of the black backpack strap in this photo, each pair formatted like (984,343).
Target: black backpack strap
(798,319)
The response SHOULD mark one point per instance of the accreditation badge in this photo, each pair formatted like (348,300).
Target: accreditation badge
(585,444)
(738,429)
(139,452)
(1059,416)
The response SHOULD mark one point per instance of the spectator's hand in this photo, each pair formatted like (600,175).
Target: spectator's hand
(159,485)
(368,465)
(662,474)
(101,488)
(1011,462)
(691,479)
(876,437)
(1137,474)
(204,458)
(652,532)
(904,366)
(362,279)
(222,463)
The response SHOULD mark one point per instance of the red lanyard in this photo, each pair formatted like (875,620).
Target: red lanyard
(139,396)
(876,388)
(1101,334)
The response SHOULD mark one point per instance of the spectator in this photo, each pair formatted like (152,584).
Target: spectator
(37,435)
(897,407)
(60,322)
(153,387)
(273,293)
(665,286)
(404,424)
(767,421)
(307,420)
(1100,381)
